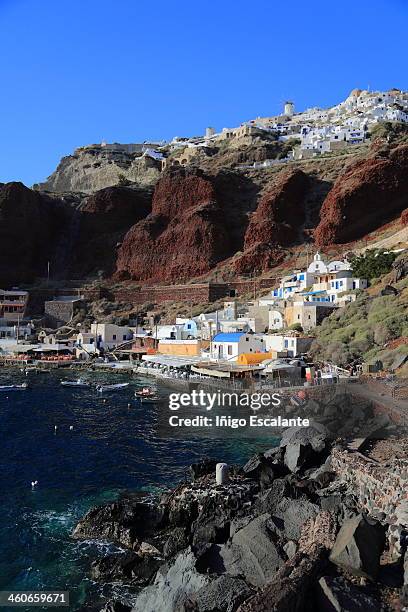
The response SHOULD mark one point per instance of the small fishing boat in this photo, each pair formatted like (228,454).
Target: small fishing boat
(117,387)
(22,387)
(145,392)
(75,383)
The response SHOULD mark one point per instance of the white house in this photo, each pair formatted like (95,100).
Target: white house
(318,265)
(229,345)
(188,328)
(345,283)
(85,345)
(293,345)
(276,319)
(109,335)
(336,265)
(321,282)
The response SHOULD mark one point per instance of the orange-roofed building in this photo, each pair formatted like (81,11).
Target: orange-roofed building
(253,358)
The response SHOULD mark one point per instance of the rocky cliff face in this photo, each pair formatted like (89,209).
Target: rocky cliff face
(184,236)
(368,194)
(30,224)
(276,223)
(195,219)
(90,169)
(103,220)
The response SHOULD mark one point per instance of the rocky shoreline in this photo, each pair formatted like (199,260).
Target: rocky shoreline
(293,529)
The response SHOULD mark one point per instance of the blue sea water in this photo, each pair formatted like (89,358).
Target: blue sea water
(111,449)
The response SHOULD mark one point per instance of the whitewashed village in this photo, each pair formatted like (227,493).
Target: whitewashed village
(266,339)
(245,343)
(313,132)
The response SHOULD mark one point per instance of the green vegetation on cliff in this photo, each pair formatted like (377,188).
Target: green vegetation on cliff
(372,264)
(363,329)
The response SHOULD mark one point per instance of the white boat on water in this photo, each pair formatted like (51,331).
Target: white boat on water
(117,387)
(75,383)
(22,387)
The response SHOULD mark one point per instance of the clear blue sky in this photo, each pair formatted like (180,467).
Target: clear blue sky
(79,71)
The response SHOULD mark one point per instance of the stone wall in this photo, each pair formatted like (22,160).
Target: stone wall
(380,489)
(196,293)
(253,286)
(38,297)
(397,388)
(58,313)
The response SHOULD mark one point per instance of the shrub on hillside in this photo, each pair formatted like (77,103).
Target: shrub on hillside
(296,327)
(392,131)
(372,263)
(361,329)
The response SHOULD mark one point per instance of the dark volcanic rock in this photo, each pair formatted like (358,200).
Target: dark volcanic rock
(225,593)
(207,466)
(173,586)
(261,469)
(128,567)
(288,590)
(271,498)
(115,606)
(389,290)
(252,553)
(204,511)
(338,594)
(303,445)
(103,220)
(323,475)
(212,524)
(400,266)
(368,194)
(125,522)
(291,514)
(315,435)
(404,593)
(178,540)
(30,225)
(358,547)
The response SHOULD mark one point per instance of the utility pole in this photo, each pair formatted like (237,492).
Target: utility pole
(210,326)
(48,273)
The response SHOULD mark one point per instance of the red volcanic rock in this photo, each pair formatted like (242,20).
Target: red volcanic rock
(184,236)
(29,226)
(404,217)
(103,220)
(276,223)
(367,195)
(179,190)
